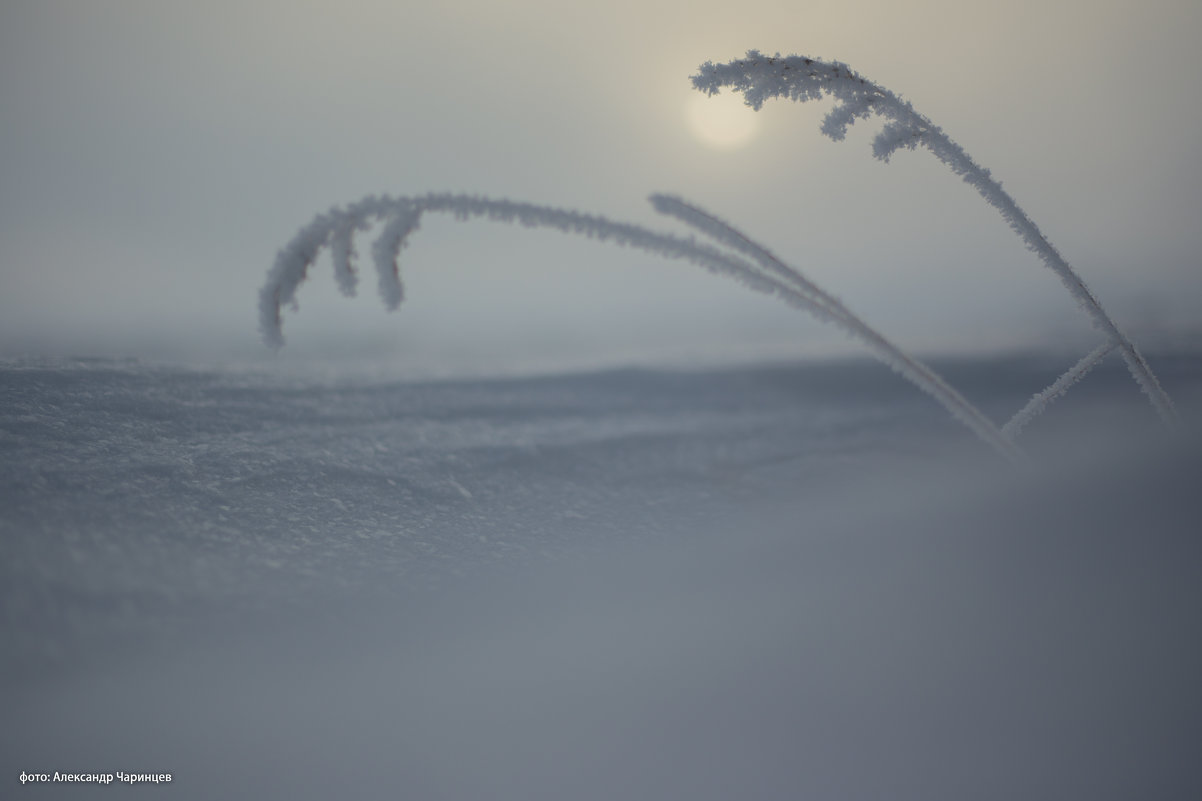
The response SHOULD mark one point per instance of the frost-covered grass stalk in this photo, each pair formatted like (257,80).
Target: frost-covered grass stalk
(336,228)
(1061,385)
(758,78)
(825,305)
(798,78)
(402,216)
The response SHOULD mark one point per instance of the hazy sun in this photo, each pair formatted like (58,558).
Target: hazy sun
(722,121)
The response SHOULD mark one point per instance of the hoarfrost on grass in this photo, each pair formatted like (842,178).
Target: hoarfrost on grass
(800,78)
(759,78)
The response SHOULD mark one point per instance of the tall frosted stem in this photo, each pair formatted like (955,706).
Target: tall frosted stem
(800,78)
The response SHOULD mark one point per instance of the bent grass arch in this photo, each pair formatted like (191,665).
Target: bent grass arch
(739,257)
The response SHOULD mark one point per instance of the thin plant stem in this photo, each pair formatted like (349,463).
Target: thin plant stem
(801,78)
(402,216)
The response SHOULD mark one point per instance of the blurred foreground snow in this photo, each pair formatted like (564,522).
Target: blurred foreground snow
(777,582)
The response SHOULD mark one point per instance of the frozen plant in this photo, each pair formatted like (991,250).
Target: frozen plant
(1060,386)
(799,78)
(758,78)
(829,308)
(765,273)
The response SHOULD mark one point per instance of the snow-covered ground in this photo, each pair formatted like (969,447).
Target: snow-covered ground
(792,581)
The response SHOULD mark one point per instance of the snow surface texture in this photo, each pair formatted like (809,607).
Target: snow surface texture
(776,582)
(758,583)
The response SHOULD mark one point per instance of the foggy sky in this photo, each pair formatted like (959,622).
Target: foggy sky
(155,156)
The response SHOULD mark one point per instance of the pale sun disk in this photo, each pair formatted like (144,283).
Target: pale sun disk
(721,121)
